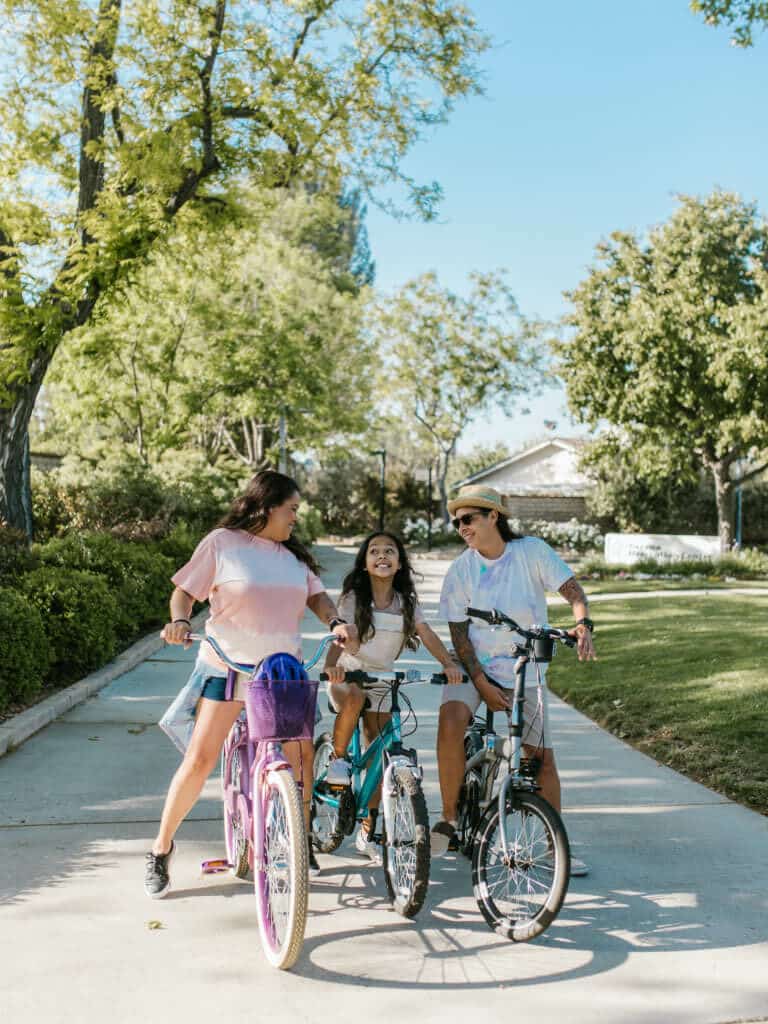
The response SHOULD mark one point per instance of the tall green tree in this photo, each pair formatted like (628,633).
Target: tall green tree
(670,345)
(743,17)
(117,118)
(216,338)
(452,358)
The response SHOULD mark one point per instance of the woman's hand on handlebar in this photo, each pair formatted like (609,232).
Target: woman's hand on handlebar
(454,673)
(346,634)
(176,633)
(335,673)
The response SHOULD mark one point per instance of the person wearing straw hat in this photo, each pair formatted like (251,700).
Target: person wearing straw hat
(499,569)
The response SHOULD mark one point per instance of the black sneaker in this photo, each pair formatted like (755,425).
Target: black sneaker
(314,867)
(443,839)
(157,880)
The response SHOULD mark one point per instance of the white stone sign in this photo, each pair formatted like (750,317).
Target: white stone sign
(628,548)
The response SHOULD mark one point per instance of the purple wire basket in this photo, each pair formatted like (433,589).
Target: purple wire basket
(281,709)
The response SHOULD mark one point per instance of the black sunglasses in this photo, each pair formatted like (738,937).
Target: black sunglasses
(467,518)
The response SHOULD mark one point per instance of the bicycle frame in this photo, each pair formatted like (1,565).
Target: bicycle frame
(511,749)
(258,760)
(385,749)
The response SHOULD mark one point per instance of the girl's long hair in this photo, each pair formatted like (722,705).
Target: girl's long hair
(358,583)
(250,511)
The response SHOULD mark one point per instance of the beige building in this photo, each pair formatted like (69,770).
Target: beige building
(541,482)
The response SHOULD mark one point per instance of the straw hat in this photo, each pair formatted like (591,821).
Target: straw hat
(477,496)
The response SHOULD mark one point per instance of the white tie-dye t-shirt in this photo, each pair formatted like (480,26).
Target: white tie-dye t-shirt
(516,583)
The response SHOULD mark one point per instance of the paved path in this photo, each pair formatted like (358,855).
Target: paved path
(671,925)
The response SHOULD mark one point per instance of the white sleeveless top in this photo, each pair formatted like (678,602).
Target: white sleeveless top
(385,646)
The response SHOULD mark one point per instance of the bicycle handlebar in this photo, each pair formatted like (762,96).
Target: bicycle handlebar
(497,618)
(330,638)
(367,682)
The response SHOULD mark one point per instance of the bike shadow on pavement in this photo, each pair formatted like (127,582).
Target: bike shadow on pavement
(603,922)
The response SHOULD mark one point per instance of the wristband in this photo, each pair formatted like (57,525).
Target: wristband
(181,620)
(588,623)
(336,622)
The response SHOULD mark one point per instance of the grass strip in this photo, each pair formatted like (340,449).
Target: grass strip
(683,680)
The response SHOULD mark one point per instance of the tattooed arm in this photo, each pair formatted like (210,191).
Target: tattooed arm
(573,592)
(465,652)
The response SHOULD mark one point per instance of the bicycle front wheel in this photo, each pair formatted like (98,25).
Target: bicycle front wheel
(405,853)
(521,894)
(280,872)
(326,830)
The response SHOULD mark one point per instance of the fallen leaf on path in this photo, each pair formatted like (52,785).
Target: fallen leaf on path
(155,925)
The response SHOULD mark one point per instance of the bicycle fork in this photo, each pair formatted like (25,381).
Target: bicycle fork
(389,786)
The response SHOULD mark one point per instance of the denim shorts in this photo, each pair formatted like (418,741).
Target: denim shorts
(178,722)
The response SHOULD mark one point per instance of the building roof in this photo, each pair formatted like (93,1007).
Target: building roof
(566,443)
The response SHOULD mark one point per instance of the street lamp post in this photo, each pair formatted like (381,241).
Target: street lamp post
(424,476)
(383,453)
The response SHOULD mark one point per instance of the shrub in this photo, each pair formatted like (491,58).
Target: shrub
(414,531)
(573,535)
(749,564)
(309,525)
(138,576)
(23,649)
(79,613)
(15,556)
(179,544)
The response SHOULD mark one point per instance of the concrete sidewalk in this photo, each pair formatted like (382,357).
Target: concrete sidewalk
(670,926)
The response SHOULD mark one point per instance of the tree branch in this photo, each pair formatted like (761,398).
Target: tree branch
(751,474)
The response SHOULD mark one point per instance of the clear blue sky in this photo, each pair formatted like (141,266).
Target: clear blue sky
(595,115)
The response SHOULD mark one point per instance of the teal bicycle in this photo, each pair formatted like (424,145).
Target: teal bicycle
(404,836)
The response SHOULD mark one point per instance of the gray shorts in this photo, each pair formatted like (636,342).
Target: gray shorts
(535,714)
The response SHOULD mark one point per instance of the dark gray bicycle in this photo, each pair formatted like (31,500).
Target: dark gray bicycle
(519,847)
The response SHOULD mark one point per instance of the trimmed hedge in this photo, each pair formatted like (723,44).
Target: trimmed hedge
(79,614)
(138,576)
(15,556)
(23,650)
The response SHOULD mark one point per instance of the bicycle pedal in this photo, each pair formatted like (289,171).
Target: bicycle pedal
(215,867)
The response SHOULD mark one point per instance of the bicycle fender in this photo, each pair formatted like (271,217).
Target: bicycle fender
(396,762)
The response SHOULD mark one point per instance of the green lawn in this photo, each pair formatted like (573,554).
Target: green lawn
(630,586)
(684,680)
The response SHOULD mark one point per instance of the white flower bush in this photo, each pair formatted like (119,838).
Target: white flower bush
(573,535)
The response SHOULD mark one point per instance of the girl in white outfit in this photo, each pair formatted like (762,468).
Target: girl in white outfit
(379,597)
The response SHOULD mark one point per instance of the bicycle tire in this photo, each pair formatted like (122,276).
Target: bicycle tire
(407,890)
(281,872)
(324,818)
(468,812)
(235,837)
(521,900)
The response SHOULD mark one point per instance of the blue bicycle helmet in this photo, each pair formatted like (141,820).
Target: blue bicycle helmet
(283,667)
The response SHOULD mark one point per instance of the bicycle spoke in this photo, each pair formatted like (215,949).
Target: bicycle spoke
(278,875)
(403,845)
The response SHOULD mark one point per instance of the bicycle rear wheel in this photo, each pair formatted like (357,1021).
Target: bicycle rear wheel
(235,818)
(405,853)
(520,895)
(326,829)
(468,812)
(280,872)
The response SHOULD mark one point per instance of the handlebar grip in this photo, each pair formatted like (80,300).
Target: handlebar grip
(478,613)
(440,679)
(354,676)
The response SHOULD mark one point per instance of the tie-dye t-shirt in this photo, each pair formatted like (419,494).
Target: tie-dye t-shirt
(257,591)
(516,583)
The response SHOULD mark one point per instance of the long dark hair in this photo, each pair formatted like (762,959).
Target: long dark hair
(506,531)
(250,510)
(358,582)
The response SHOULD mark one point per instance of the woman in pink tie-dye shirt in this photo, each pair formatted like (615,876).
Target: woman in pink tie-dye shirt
(257,579)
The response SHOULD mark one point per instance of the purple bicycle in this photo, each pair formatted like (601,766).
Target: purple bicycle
(264,826)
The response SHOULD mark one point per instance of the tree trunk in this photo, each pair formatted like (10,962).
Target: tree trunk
(15,496)
(724,501)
